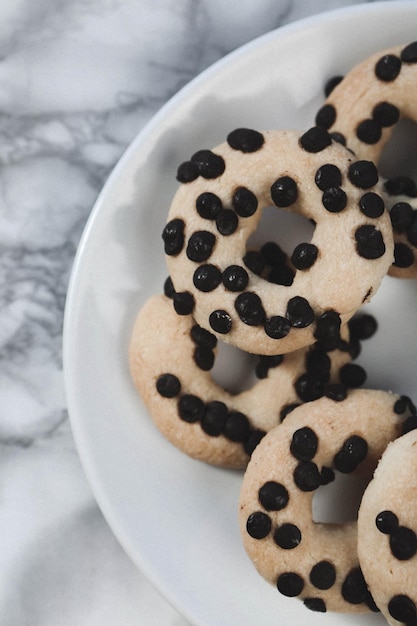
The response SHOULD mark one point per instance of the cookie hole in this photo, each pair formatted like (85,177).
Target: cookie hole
(339,501)
(399,156)
(234,369)
(285,228)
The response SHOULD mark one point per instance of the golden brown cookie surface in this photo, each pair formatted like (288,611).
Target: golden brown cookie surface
(219,206)
(316,562)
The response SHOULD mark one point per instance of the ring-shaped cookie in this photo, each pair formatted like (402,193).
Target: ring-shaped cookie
(387,532)
(363,108)
(171,358)
(315,561)
(219,206)
(361,111)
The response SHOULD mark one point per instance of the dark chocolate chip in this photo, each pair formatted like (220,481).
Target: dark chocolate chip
(235,278)
(354,346)
(203,337)
(331,84)
(272,360)
(386,522)
(327,332)
(187,172)
(351,454)
(401,214)
(362,326)
(354,588)
(168,385)
(318,363)
(245,140)
(409,424)
(304,444)
(315,604)
(403,255)
(254,261)
(369,131)
(402,404)
(236,427)
(304,256)
(388,67)
(190,408)
(207,277)
(371,604)
(363,174)
(249,307)
(334,199)
(277,327)
(386,114)
(369,242)
(208,205)
(371,204)
(323,575)
(336,392)
(307,476)
(261,369)
(208,164)
(412,231)
(244,202)
(328,175)
(220,321)
(214,418)
(273,496)
(173,236)
(290,584)
(327,475)
(227,221)
(409,53)
(401,185)
(309,387)
(169,287)
(258,525)
(183,302)
(338,138)
(252,441)
(200,246)
(284,191)
(287,536)
(273,253)
(266,362)
(299,312)
(352,375)
(287,409)
(326,116)
(315,139)
(204,358)
(402,608)
(281,275)
(403,543)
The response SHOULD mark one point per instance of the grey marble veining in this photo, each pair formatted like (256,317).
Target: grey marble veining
(78,80)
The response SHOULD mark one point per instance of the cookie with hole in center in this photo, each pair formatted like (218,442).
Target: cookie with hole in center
(315,561)
(219,205)
(387,532)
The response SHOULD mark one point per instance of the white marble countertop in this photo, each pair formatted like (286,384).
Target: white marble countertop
(78,80)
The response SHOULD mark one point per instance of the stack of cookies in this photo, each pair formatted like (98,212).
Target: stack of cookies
(306,415)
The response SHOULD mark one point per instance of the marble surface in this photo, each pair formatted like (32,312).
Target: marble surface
(78,80)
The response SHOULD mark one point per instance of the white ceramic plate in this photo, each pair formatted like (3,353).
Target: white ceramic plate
(174,516)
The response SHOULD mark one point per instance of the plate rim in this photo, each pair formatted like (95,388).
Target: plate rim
(144,135)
